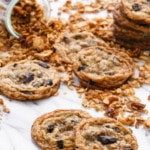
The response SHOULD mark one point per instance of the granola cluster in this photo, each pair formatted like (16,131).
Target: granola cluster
(37,34)
(37,39)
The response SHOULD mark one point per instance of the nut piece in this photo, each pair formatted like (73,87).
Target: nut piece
(147,122)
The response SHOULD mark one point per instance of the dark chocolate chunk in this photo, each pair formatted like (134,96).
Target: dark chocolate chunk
(107,126)
(91,82)
(109,73)
(15,64)
(104,139)
(27,92)
(50,128)
(74,122)
(52,24)
(82,67)
(43,64)
(54,49)
(136,7)
(28,78)
(60,144)
(78,36)
(65,38)
(148,0)
(49,82)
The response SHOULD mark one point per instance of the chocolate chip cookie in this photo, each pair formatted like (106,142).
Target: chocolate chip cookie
(128,33)
(28,80)
(55,130)
(138,11)
(69,44)
(121,19)
(104,134)
(102,67)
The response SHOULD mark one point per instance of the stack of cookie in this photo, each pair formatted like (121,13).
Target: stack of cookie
(132,24)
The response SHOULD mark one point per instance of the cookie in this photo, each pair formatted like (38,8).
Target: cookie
(104,134)
(132,44)
(128,33)
(28,80)
(125,22)
(69,44)
(138,11)
(102,67)
(55,130)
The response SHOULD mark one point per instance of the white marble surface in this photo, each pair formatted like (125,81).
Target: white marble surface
(15,127)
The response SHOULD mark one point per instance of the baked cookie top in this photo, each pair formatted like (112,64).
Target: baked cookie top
(55,130)
(104,66)
(137,10)
(69,44)
(104,134)
(28,80)
(121,19)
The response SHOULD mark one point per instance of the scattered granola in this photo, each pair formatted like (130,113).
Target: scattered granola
(4,107)
(37,42)
(147,122)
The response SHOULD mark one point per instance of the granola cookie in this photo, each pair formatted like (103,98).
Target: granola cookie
(132,44)
(131,34)
(28,80)
(138,11)
(69,44)
(125,22)
(102,67)
(55,130)
(104,134)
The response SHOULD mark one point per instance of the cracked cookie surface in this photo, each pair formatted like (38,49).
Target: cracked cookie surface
(102,67)
(69,44)
(55,130)
(28,80)
(121,19)
(138,11)
(104,134)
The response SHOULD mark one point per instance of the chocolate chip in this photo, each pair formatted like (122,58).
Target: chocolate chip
(54,49)
(148,0)
(78,36)
(27,92)
(74,122)
(82,67)
(60,144)
(104,139)
(109,73)
(136,7)
(28,78)
(107,126)
(43,64)
(49,82)
(52,24)
(65,38)
(15,64)
(91,82)
(50,128)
